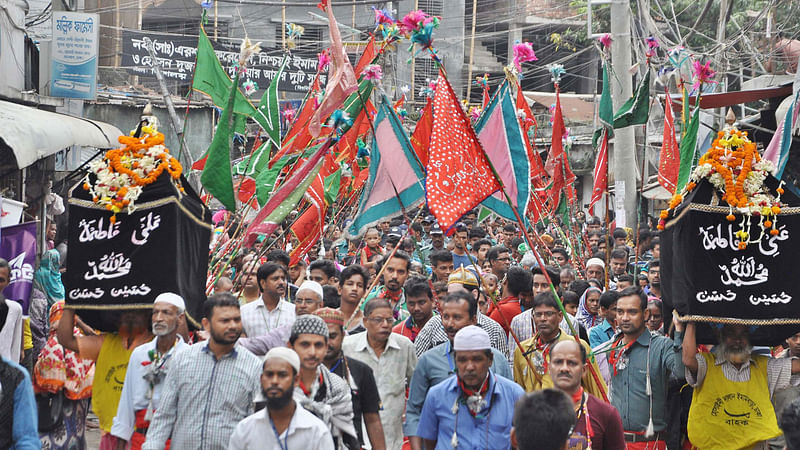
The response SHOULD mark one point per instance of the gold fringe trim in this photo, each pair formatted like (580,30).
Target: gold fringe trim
(733,321)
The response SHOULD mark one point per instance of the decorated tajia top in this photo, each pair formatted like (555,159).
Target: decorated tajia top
(737,172)
(729,245)
(116,181)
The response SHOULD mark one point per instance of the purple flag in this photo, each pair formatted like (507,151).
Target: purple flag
(18,247)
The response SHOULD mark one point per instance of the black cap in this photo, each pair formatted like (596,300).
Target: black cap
(428,219)
(395,231)
(436,229)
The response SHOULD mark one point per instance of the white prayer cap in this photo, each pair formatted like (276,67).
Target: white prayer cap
(285,354)
(173,299)
(313,286)
(471,337)
(595,262)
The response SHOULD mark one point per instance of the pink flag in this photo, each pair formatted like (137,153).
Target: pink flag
(342,81)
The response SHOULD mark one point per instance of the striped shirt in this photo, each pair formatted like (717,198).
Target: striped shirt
(433,334)
(203,398)
(258,321)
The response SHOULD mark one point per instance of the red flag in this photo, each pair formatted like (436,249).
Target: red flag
(486,97)
(399,103)
(557,165)
(421,137)
(459,175)
(670,159)
(297,138)
(527,123)
(200,164)
(600,173)
(370,52)
(342,81)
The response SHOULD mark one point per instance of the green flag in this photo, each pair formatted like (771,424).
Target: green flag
(211,79)
(269,109)
(265,180)
(252,165)
(605,109)
(687,150)
(637,108)
(216,177)
(331,184)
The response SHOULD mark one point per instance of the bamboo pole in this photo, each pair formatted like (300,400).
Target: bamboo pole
(471,49)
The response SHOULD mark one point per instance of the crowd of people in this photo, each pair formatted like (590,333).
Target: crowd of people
(494,337)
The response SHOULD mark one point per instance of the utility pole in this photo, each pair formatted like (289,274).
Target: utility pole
(621,91)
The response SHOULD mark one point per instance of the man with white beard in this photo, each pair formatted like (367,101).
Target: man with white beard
(732,390)
(147,368)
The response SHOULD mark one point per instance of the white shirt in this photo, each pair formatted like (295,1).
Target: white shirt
(257,321)
(305,432)
(11,332)
(393,371)
(135,390)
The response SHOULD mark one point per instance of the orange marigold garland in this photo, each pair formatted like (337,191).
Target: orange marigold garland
(734,167)
(122,173)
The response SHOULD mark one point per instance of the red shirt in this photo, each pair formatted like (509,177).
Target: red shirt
(510,307)
(407,328)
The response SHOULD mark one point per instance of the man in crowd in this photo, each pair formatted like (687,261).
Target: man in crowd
(419,300)
(318,390)
(363,389)
(608,311)
(518,282)
(509,233)
(568,365)
(743,382)
(536,350)
(567,276)
(543,420)
(436,241)
(324,272)
(308,297)
(459,253)
(653,279)
(283,423)
(618,263)
(395,273)
(352,284)
(18,418)
(595,269)
(148,366)
(523,324)
(624,281)
(209,387)
(271,311)
(500,259)
(480,248)
(392,360)
(639,365)
(433,333)
(472,409)
(250,291)
(459,310)
(441,264)
(561,257)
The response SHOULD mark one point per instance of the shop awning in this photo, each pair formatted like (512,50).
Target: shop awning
(33,134)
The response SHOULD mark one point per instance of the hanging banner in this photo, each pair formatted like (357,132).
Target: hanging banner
(18,247)
(74,65)
(176,56)
(160,247)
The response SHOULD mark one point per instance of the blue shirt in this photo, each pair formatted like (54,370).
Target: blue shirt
(433,367)
(600,333)
(462,260)
(24,419)
(491,425)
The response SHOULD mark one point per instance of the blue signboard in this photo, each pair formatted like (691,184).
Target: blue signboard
(74,65)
